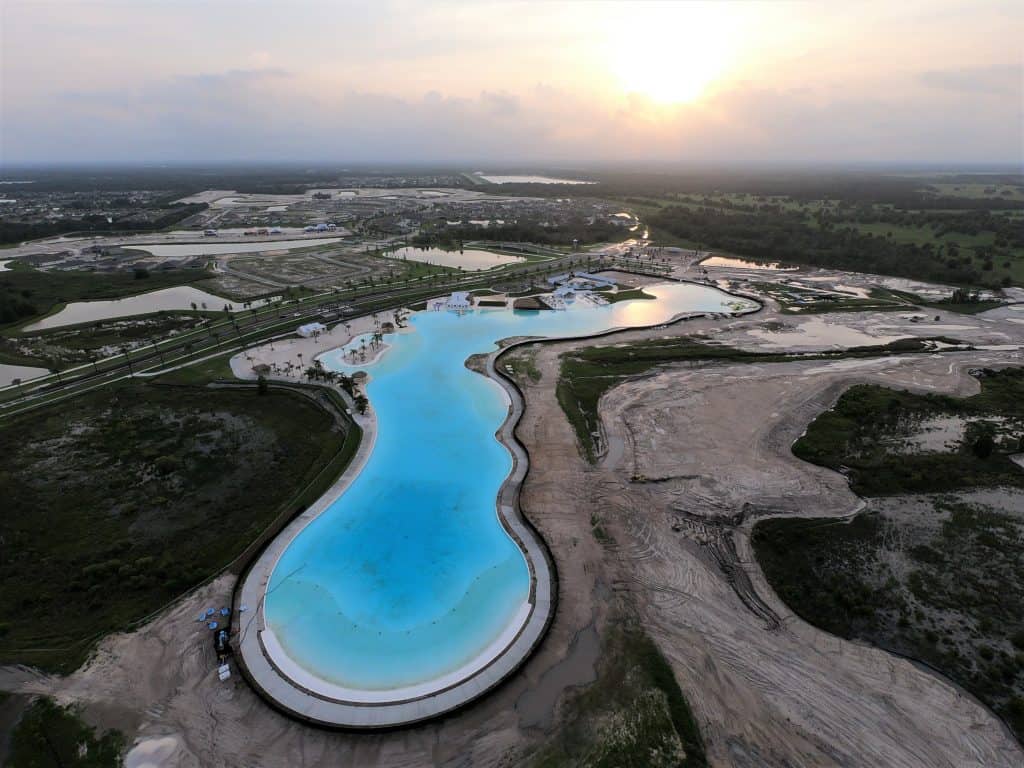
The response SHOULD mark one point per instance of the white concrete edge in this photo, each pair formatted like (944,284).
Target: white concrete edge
(263,669)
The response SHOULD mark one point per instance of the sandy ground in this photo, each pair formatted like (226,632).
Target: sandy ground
(292,356)
(768,688)
(696,454)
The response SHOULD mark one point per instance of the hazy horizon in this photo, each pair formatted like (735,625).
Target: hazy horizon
(605,85)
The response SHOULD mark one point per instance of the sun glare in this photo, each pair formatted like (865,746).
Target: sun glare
(682,50)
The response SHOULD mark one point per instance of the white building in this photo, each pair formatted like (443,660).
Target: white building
(311,329)
(595,280)
(566,293)
(459,301)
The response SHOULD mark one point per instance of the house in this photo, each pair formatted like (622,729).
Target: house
(311,329)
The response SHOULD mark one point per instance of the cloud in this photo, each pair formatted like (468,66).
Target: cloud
(981,80)
(272,114)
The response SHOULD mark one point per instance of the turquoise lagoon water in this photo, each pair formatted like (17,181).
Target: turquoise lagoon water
(409,575)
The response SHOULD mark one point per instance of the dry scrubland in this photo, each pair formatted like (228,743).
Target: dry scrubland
(126,497)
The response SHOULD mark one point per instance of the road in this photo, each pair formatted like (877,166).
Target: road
(263,324)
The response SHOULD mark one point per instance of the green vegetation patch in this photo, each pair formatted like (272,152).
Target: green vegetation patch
(634,714)
(632,293)
(63,347)
(796,300)
(123,498)
(214,369)
(962,302)
(972,245)
(937,578)
(51,736)
(523,362)
(889,441)
(586,374)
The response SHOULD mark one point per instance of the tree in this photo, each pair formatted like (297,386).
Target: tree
(362,404)
(51,735)
(984,444)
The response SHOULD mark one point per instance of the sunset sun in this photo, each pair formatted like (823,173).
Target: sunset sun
(682,51)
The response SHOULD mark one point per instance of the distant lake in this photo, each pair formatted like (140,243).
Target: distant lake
(727,261)
(469,258)
(166,299)
(528,179)
(8,373)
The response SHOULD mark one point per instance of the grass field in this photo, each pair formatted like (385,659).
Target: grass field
(980,191)
(121,499)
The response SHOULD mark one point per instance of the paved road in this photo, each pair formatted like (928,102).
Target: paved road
(235,333)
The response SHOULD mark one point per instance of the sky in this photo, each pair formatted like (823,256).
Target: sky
(497,84)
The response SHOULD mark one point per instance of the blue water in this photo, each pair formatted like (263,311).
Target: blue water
(410,575)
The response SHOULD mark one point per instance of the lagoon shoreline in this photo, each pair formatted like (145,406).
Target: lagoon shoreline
(300,695)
